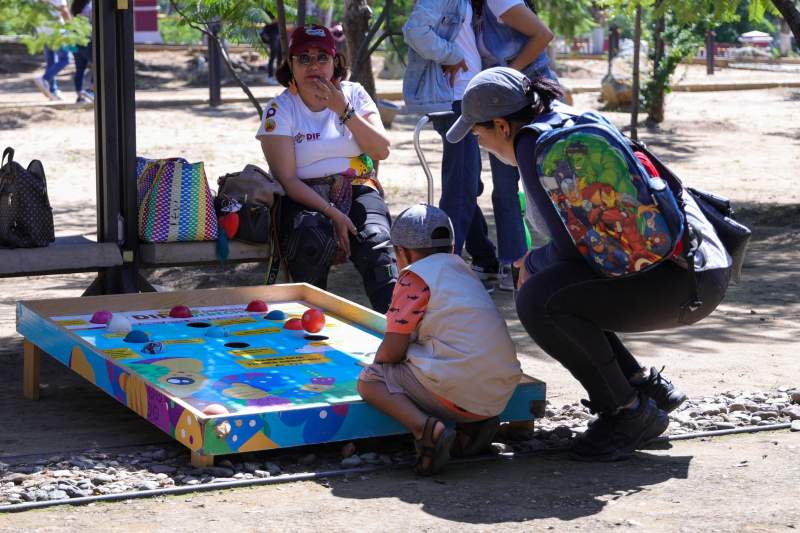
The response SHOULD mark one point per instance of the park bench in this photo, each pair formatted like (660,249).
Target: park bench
(199,253)
(65,255)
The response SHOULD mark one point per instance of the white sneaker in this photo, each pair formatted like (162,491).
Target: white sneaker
(485,273)
(42,86)
(488,285)
(272,81)
(505,281)
(56,95)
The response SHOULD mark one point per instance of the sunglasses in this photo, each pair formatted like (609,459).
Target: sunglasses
(321,58)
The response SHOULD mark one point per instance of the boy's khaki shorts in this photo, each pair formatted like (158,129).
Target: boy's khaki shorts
(399,379)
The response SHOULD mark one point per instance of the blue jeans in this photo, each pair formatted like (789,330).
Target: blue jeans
(82,59)
(461,185)
(55,61)
(507,215)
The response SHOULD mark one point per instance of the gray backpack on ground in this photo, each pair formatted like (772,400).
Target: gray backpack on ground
(26,218)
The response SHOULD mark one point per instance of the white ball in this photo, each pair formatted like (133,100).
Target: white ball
(119,324)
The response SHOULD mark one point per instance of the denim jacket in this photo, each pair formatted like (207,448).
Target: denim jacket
(430,33)
(504,43)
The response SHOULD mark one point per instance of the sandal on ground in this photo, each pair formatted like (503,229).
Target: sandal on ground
(478,437)
(437,452)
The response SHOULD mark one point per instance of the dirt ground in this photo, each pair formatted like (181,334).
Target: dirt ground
(741,144)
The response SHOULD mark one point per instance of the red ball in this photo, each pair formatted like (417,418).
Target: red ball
(293,324)
(180,311)
(257,306)
(313,320)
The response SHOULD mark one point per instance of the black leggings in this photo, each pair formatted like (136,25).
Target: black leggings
(307,242)
(573,316)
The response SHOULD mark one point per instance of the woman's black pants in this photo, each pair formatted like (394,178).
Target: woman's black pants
(308,244)
(574,316)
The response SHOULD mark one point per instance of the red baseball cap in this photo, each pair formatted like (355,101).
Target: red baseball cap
(312,36)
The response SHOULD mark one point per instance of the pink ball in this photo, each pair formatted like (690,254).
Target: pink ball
(101,317)
(215,409)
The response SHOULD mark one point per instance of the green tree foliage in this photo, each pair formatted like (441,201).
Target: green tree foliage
(567,18)
(221,20)
(685,24)
(728,32)
(38,25)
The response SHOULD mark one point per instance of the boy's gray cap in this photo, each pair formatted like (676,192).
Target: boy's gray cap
(494,93)
(415,227)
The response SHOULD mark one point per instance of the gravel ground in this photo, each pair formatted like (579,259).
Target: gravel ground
(101,472)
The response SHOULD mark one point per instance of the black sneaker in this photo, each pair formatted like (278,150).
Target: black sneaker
(614,437)
(660,389)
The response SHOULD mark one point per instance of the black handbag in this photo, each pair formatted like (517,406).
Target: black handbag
(254,223)
(26,218)
(734,236)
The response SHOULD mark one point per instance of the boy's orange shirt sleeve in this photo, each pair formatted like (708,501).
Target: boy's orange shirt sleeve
(409,302)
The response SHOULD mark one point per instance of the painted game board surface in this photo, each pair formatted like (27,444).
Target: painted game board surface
(259,387)
(258,366)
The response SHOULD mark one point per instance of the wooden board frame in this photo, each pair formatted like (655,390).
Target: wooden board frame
(207,436)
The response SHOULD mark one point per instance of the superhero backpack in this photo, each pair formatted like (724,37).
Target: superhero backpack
(621,219)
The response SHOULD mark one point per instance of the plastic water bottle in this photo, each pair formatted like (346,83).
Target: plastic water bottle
(522,208)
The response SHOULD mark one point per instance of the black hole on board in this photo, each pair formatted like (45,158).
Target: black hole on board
(316,337)
(236,345)
(199,325)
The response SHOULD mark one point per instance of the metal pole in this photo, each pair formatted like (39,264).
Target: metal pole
(421,156)
(115,142)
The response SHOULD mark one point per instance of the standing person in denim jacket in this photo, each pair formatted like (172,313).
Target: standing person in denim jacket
(511,35)
(442,59)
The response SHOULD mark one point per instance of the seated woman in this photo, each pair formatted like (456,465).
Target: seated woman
(571,310)
(321,138)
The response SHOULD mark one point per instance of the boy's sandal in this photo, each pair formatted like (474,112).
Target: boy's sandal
(478,436)
(437,452)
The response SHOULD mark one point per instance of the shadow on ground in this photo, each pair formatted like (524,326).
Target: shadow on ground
(550,488)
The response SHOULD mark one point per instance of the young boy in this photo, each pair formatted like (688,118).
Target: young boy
(447,356)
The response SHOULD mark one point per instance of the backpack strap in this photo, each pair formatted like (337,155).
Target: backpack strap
(691,239)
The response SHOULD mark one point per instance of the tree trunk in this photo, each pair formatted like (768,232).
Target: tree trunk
(637,41)
(327,18)
(228,63)
(301,12)
(791,14)
(281,12)
(655,105)
(357,15)
(214,67)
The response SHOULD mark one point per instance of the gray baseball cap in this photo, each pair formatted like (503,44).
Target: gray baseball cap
(420,226)
(494,93)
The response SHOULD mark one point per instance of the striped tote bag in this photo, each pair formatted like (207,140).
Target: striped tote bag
(175,202)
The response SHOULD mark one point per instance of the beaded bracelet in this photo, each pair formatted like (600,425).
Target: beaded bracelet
(347,115)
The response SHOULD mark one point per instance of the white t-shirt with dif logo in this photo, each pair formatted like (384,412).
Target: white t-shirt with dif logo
(322,146)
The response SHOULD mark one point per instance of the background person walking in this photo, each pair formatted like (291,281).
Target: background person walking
(55,60)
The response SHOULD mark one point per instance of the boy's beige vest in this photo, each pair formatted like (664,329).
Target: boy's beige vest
(462,350)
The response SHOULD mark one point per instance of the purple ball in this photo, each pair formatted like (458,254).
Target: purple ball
(101,317)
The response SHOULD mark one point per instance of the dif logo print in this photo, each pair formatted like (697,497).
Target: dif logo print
(300,137)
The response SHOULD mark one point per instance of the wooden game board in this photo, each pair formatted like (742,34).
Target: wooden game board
(260,387)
